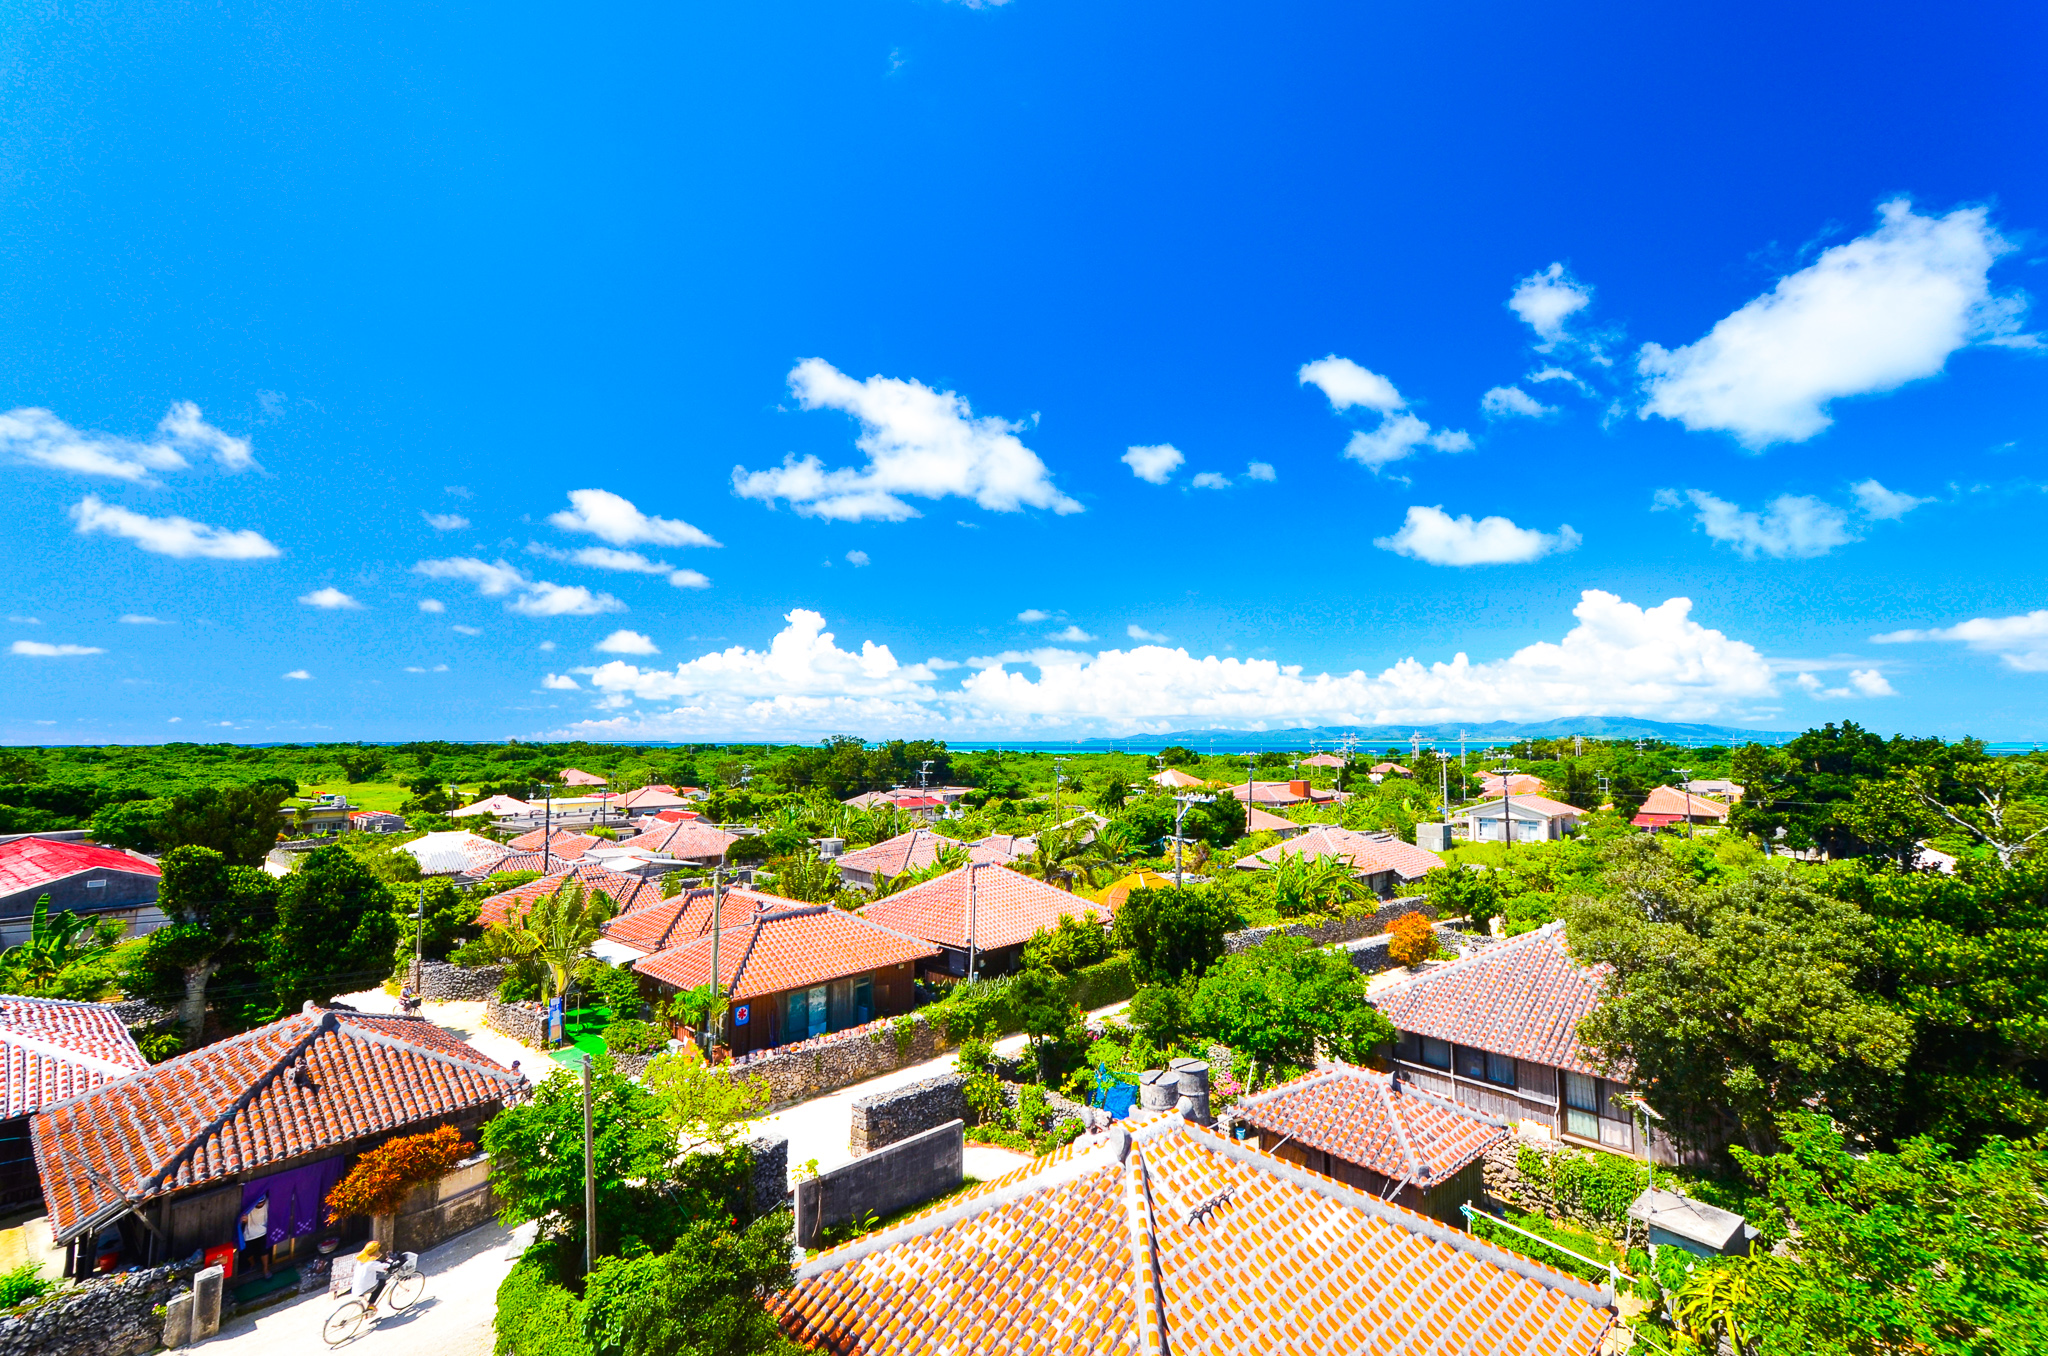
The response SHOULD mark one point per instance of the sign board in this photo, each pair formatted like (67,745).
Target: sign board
(555,1021)
(740,1014)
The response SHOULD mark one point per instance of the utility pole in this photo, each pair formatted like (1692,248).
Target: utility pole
(1507,802)
(589,1179)
(717,926)
(1180,817)
(973,919)
(1685,784)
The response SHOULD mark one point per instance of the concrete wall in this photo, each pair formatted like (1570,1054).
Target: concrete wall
(890,1117)
(113,1317)
(1349,929)
(438,1211)
(884,1182)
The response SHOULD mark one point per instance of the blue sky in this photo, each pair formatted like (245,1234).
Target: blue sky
(387,371)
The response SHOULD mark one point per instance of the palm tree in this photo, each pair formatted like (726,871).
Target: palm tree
(1061,858)
(557,930)
(949,859)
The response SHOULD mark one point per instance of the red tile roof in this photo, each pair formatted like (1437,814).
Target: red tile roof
(56,1049)
(572,776)
(1669,800)
(1519,785)
(688,839)
(1369,853)
(1522,997)
(1009,907)
(905,852)
(1173,1238)
(33,863)
(627,892)
(1541,805)
(785,945)
(568,844)
(1366,1118)
(661,923)
(313,1081)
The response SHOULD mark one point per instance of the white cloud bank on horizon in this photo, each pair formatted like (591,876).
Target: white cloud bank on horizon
(40,437)
(2019,642)
(918,442)
(1866,316)
(1619,659)
(1398,435)
(1430,534)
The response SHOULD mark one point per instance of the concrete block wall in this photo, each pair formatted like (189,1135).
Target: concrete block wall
(771,1173)
(905,1174)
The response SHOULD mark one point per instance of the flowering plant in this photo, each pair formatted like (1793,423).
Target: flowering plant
(382,1178)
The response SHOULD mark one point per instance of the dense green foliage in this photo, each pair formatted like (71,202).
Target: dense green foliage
(336,930)
(1170,933)
(1276,1003)
(700,1298)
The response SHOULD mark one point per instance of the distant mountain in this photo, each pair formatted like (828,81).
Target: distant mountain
(1497,731)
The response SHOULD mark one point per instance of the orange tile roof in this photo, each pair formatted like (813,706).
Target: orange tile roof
(1524,997)
(661,923)
(627,892)
(1367,1118)
(905,852)
(315,1080)
(785,945)
(1172,1238)
(567,844)
(1669,800)
(1008,907)
(1367,852)
(689,839)
(54,1049)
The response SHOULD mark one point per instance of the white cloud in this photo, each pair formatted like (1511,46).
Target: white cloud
(39,649)
(466,630)
(1880,503)
(610,517)
(40,437)
(1139,633)
(690,579)
(1073,635)
(1212,480)
(1545,300)
(137,619)
(561,682)
(530,597)
(627,642)
(1561,374)
(26,621)
(1399,436)
(445,522)
(1346,384)
(918,442)
(1504,402)
(299,675)
(432,605)
(1862,683)
(1260,470)
(2019,642)
(1432,535)
(1154,464)
(1791,526)
(1867,316)
(438,668)
(604,558)
(1618,659)
(178,537)
(1031,615)
(547,647)
(941,665)
(857,558)
(332,599)
(174,720)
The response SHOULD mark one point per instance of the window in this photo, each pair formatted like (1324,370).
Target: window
(863,1000)
(1471,1063)
(95,885)
(1500,1069)
(1436,1053)
(1581,1098)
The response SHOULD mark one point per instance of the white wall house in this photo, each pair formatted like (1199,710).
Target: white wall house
(1535,819)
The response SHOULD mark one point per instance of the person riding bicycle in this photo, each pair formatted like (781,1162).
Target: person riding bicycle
(371,1272)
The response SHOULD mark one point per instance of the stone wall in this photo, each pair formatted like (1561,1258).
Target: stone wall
(770,1173)
(889,1117)
(1505,1184)
(438,1211)
(140,1012)
(113,1317)
(523,1022)
(907,1173)
(446,982)
(806,1068)
(1062,1109)
(1335,930)
(1369,954)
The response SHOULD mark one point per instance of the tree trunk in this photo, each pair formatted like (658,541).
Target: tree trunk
(192,1011)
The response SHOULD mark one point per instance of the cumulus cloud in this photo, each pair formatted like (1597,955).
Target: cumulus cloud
(461,630)
(1867,316)
(856,558)
(1139,633)
(1565,375)
(2020,642)
(299,675)
(1862,683)
(1791,526)
(1508,402)
(627,642)
(527,596)
(918,442)
(1212,480)
(1880,503)
(38,649)
(1073,635)
(432,605)
(1400,436)
(1260,470)
(1154,464)
(610,517)
(138,619)
(1619,658)
(1546,300)
(331,599)
(1431,535)
(177,537)
(39,437)
(561,682)
(445,522)
(1346,384)
(1031,615)
(690,579)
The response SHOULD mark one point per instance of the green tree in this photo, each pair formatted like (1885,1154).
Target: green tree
(1913,1251)
(218,914)
(335,929)
(703,1107)
(1275,1003)
(1179,755)
(1477,895)
(242,823)
(557,930)
(133,824)
(1049,1017)
(2000,802)
(1305,885)
(450,915)
(1071,944)
(1171,933)
(700,1298)
(64,956)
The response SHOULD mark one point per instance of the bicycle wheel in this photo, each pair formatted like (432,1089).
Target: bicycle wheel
(345,1321)
(404,1289)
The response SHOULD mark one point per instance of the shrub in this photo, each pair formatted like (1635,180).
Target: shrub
(1533,1166)
(1411,940)
(382,1178)
(985,1101)
(158,1046)
(1110,981)
(537,1316)
(1600,1186)
(634,1038)
(1070,945)
(23,1284)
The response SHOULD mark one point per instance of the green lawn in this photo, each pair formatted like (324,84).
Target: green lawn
(362,795)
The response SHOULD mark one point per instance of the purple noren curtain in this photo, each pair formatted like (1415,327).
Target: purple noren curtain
(297,1198)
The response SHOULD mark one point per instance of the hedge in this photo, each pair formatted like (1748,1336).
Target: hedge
(537,1317)
(1105,982)
(970,1009)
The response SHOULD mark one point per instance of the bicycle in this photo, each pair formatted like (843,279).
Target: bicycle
(402,1289)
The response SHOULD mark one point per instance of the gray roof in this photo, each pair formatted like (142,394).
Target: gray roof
(1702,1223)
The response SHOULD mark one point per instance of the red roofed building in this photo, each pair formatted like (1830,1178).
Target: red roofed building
(574,776)
(54,1050)
(98,882)
(686,840)
(1001,907)
(1273,794)
(280,1111)
(627,892)
(1536,819)
(1377,1133)
(1498,1031)
(1171,1238)
(1382,858)
(1518,784)
(658,924)
(566,844)
(1669,805)
(914,851)
(794,971)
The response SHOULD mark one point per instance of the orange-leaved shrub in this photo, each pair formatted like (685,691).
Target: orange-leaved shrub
(1411,940)
(382,1178)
